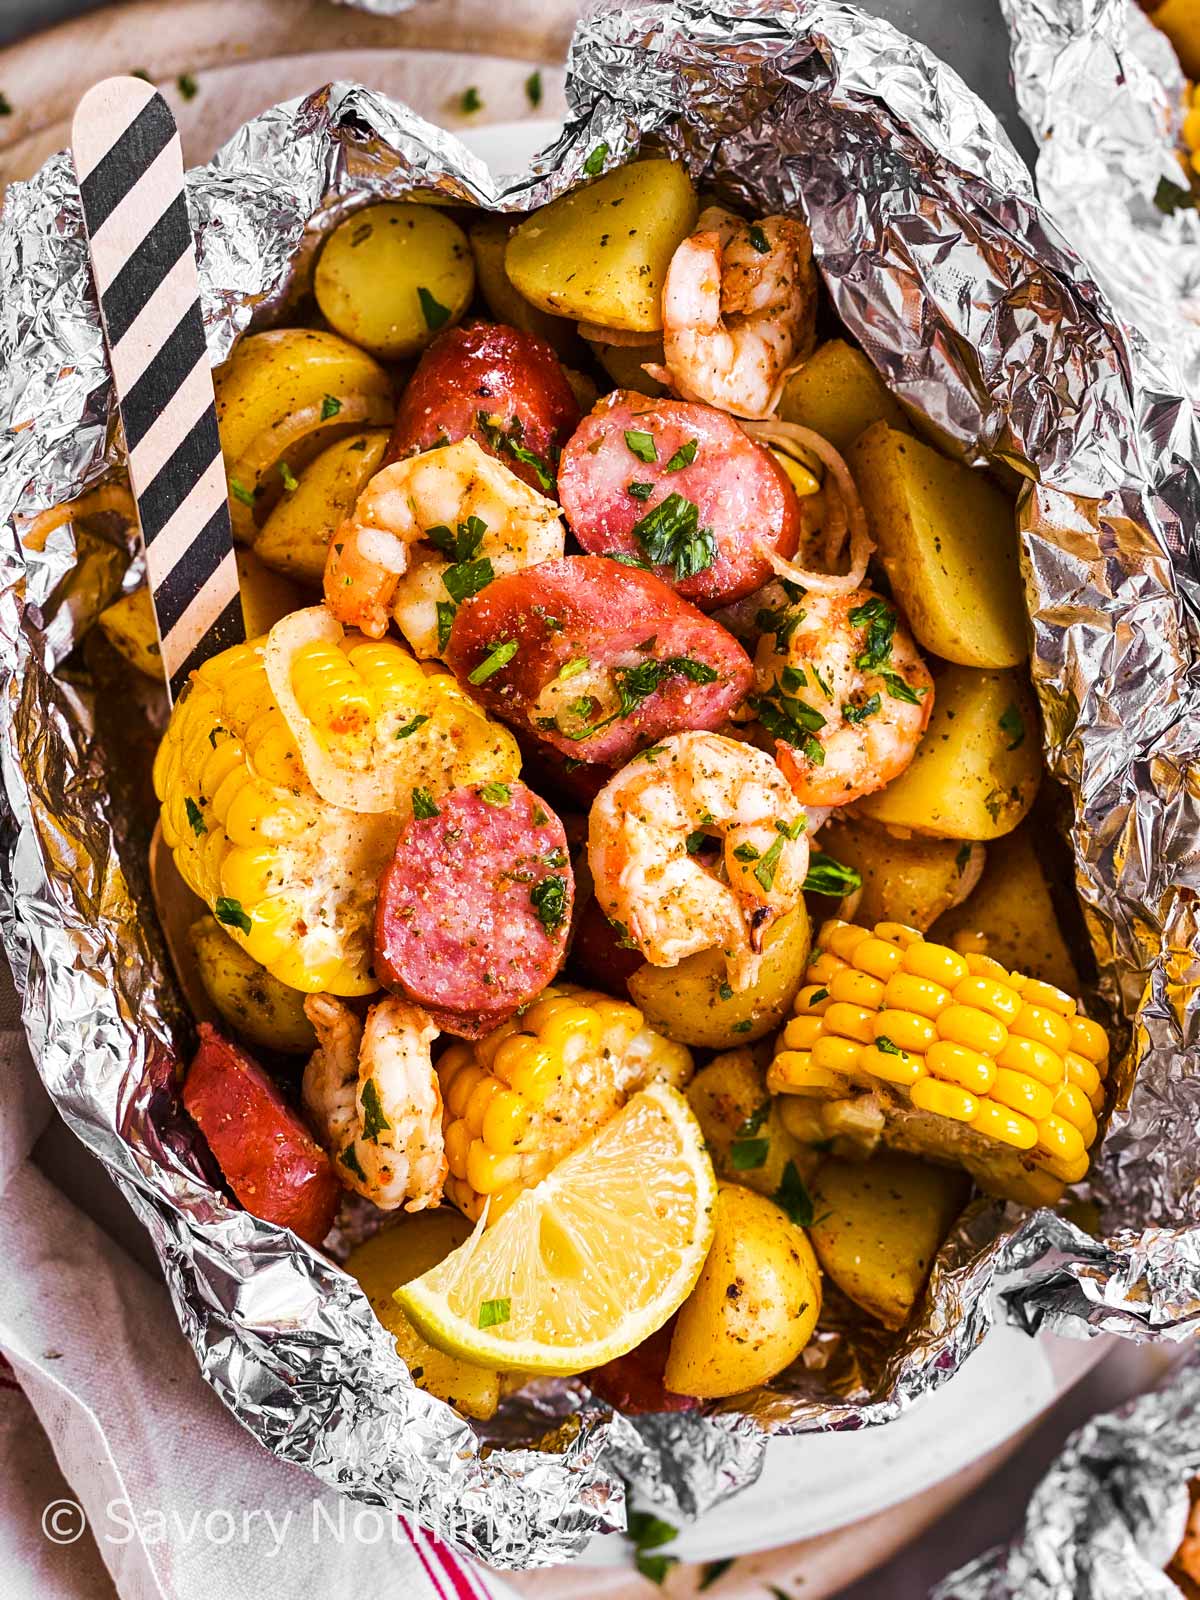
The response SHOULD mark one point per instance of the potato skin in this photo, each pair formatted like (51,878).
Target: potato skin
(294,540)
(879,1225)
(394,1256)
(600,254)
(903,880)
(372,269)
(254,1004)
(978,765)
(685,1002)
(838,394)
(128,625)
(738,1118)
(948,542)
(754,1306)
(1010,916)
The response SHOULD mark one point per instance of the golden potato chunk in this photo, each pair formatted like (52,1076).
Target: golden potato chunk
(978,765)
(879,1224)
(1010,916)
(742,1125)
(489,240)
(397,1255)
(838,394)
(600,254)
(948,542)
(128,625)
(255,1005)
(693,1003)
(903,880)
(755,1303)
(295,538)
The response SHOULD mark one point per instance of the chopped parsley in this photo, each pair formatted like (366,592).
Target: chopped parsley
(467,578)
(435,313)
(766,869)
(195,817)
(725,992)
(683,457)
(751,1124)
(550,902)
(1013,725)
(793,1198)
(993,803)
(879,619)
(508,441)
(594,165)
(887,1046)
(827,876)
(816,997)
(625,560)
(794,721)
(635,684)
(642,445)
(792,678)
(639,491)
(499,656)
(330,406)
(746,852)
(759,240)
(411,727)
(290,480)
(470,101)
(654,1568)
(963,856)
(349,1159)
(671,535)
(820,681)
(866,708)
(695,841)
(648,1533)
(746,1154)
(572,668)
(187,86)
(899,688)
(495,794)
(493,1312)
(712,1571)
(533,88)
(1172,197)
(423,805)
(446,613)
(374,1120)
(782,624)
(240,492)
(231,914)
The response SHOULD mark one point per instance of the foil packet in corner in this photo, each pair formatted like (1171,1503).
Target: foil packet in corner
(970,303)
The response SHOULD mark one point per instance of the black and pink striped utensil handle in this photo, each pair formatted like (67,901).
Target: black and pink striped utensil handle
(130,168)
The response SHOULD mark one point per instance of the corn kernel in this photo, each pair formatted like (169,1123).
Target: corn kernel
(831,1054)
(898,933)
(246,873)
(1082,1073)
(995,998)
(1074,1107)
(451,1061)
(1070,1171)
(901,1068)
(1047,1027)
(821,968)
(1034,1059)
(851,1022)
(935,962)
(1088,1039)
(579,1023)
(457,1141)
(954,1063)
(974,1028)
(487,1172)
(982,966)
(1037,993)
(793,1072)
(1004,1125)
(877,957)
(905,1028)
(1014,1089)
(855,988)
(802,1033)
(843,938)
(1057,1138)
(804,1002)
(537,1077)
(478,1101)
(944,1100)
(506,1121)
(460,1091)
(906,991)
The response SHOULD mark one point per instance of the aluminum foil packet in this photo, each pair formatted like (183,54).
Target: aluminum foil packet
(981,317)
(1111,1512)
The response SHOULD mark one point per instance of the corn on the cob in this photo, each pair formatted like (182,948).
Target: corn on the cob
(520,1099)
(949,1056)
(291,876)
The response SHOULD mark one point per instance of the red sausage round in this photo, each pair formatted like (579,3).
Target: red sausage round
(494,384)
(682,486)
(474,910)
(272,1163)
(596,659)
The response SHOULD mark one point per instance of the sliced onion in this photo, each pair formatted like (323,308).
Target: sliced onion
(850,518)
(107,498)
(595,334)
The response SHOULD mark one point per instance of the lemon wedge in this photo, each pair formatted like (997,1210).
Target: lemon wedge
(589,1262)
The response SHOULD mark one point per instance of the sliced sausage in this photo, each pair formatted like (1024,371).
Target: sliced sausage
(496,385)
(596,659)
(474,909)
(269,1159)
(633,1383)
(682,486)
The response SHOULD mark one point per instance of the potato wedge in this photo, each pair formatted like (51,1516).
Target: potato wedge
(253,1003)
(1010,916)
(948,542)
(282,397)
(489,238)
(128,625)
(295,538)
(266,595)
(394,1256)
(838,394)
(741,1124)
(625,365)
(600,254)
(978,766)
(693,1004)
(393,275)
(879,1224)
(903,880)
(755,1303)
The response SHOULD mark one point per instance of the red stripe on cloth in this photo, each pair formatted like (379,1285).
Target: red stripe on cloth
(413,1539)
(464,1584)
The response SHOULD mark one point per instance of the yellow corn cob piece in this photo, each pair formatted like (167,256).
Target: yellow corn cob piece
(521,1098)
(292,877)
(949,1056)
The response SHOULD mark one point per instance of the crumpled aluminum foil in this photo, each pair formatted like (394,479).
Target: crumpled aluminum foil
(980,316)
(1110,1513)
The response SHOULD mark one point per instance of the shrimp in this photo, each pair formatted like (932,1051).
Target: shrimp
(841,688)
(739,311)
(698,843)
(429,531)
(373,1095)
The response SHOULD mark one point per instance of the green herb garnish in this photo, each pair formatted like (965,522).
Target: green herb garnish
(495,794)
(683,457)
(746,1154)
(499,656)
(410,728)
(330,406)
(435,313)
(187,86)
(671,535)
(493,1312)
(639,491)
(859,713)
(793,1198)
(766,869)
(827,876)
(231,914)
(759,239)
(1013,725)
(533,88)
(374,1120)
(423,805)
(470,101)
(594,164)
(642,445)
(240,492)
(195,816)
(550,902)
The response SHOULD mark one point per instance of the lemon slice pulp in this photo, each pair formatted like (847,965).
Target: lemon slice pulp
(590,1261)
